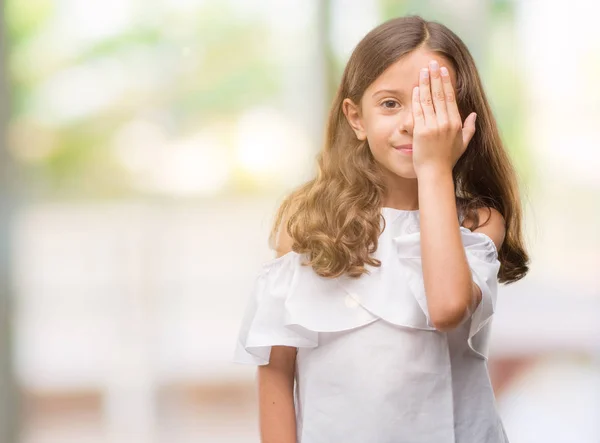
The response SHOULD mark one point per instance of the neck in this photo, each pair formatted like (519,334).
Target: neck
(402,193)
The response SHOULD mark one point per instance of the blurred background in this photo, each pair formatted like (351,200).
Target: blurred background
(145,148)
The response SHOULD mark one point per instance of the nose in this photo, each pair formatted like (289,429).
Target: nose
(406,124)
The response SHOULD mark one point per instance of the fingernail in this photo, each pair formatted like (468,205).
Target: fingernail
(444,70)
(434,64)
(424,73)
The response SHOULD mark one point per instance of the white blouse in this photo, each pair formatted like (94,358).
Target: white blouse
(370,366)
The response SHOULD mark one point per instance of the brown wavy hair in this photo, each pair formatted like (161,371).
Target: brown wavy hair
(335,217)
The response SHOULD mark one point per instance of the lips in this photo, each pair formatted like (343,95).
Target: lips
(404,148)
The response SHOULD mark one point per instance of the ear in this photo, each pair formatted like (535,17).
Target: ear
(352,113)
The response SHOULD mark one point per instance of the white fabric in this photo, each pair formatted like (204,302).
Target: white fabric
(370,366)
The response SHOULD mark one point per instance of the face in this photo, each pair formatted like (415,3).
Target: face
(384,117)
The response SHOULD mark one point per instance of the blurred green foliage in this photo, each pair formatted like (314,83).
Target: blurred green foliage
(212,70)
(186,71)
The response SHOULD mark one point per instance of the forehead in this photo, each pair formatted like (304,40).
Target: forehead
(403,75)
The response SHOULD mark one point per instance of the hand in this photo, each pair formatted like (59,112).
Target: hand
(439,137)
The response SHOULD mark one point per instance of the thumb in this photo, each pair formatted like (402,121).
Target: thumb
(469,129)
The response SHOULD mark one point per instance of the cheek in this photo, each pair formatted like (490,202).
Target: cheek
(382,127)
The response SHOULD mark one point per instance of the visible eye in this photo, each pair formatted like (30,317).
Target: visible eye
(389,104)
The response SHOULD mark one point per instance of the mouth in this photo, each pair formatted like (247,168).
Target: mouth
(406,149)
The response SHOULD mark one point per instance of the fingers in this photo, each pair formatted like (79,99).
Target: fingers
(438,94)
(453,114)
(425,98)
(469,129)
(418,117)
(434,102)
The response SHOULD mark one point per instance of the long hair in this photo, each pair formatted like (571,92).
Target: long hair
(335,217)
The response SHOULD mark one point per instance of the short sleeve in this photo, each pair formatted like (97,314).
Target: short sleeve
(265,319)
(483,261)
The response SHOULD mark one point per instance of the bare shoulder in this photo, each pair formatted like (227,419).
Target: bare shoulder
(491,223)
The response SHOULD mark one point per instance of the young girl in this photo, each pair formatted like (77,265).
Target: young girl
(372,324)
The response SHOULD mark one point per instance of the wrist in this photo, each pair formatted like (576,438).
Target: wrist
(433,171)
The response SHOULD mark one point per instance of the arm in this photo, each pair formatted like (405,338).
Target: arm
(439,140)
(277,417)
(451,293)
(448,282)
(276,397)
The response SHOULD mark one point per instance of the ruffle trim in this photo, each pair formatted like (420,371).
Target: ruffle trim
(290,304)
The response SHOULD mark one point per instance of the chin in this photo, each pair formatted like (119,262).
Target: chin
(402,168)
(407,172)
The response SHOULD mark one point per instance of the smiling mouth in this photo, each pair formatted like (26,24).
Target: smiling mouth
(404,148)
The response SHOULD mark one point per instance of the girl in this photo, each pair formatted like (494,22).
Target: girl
(372,324)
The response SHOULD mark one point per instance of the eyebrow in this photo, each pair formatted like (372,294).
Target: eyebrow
(389,91)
